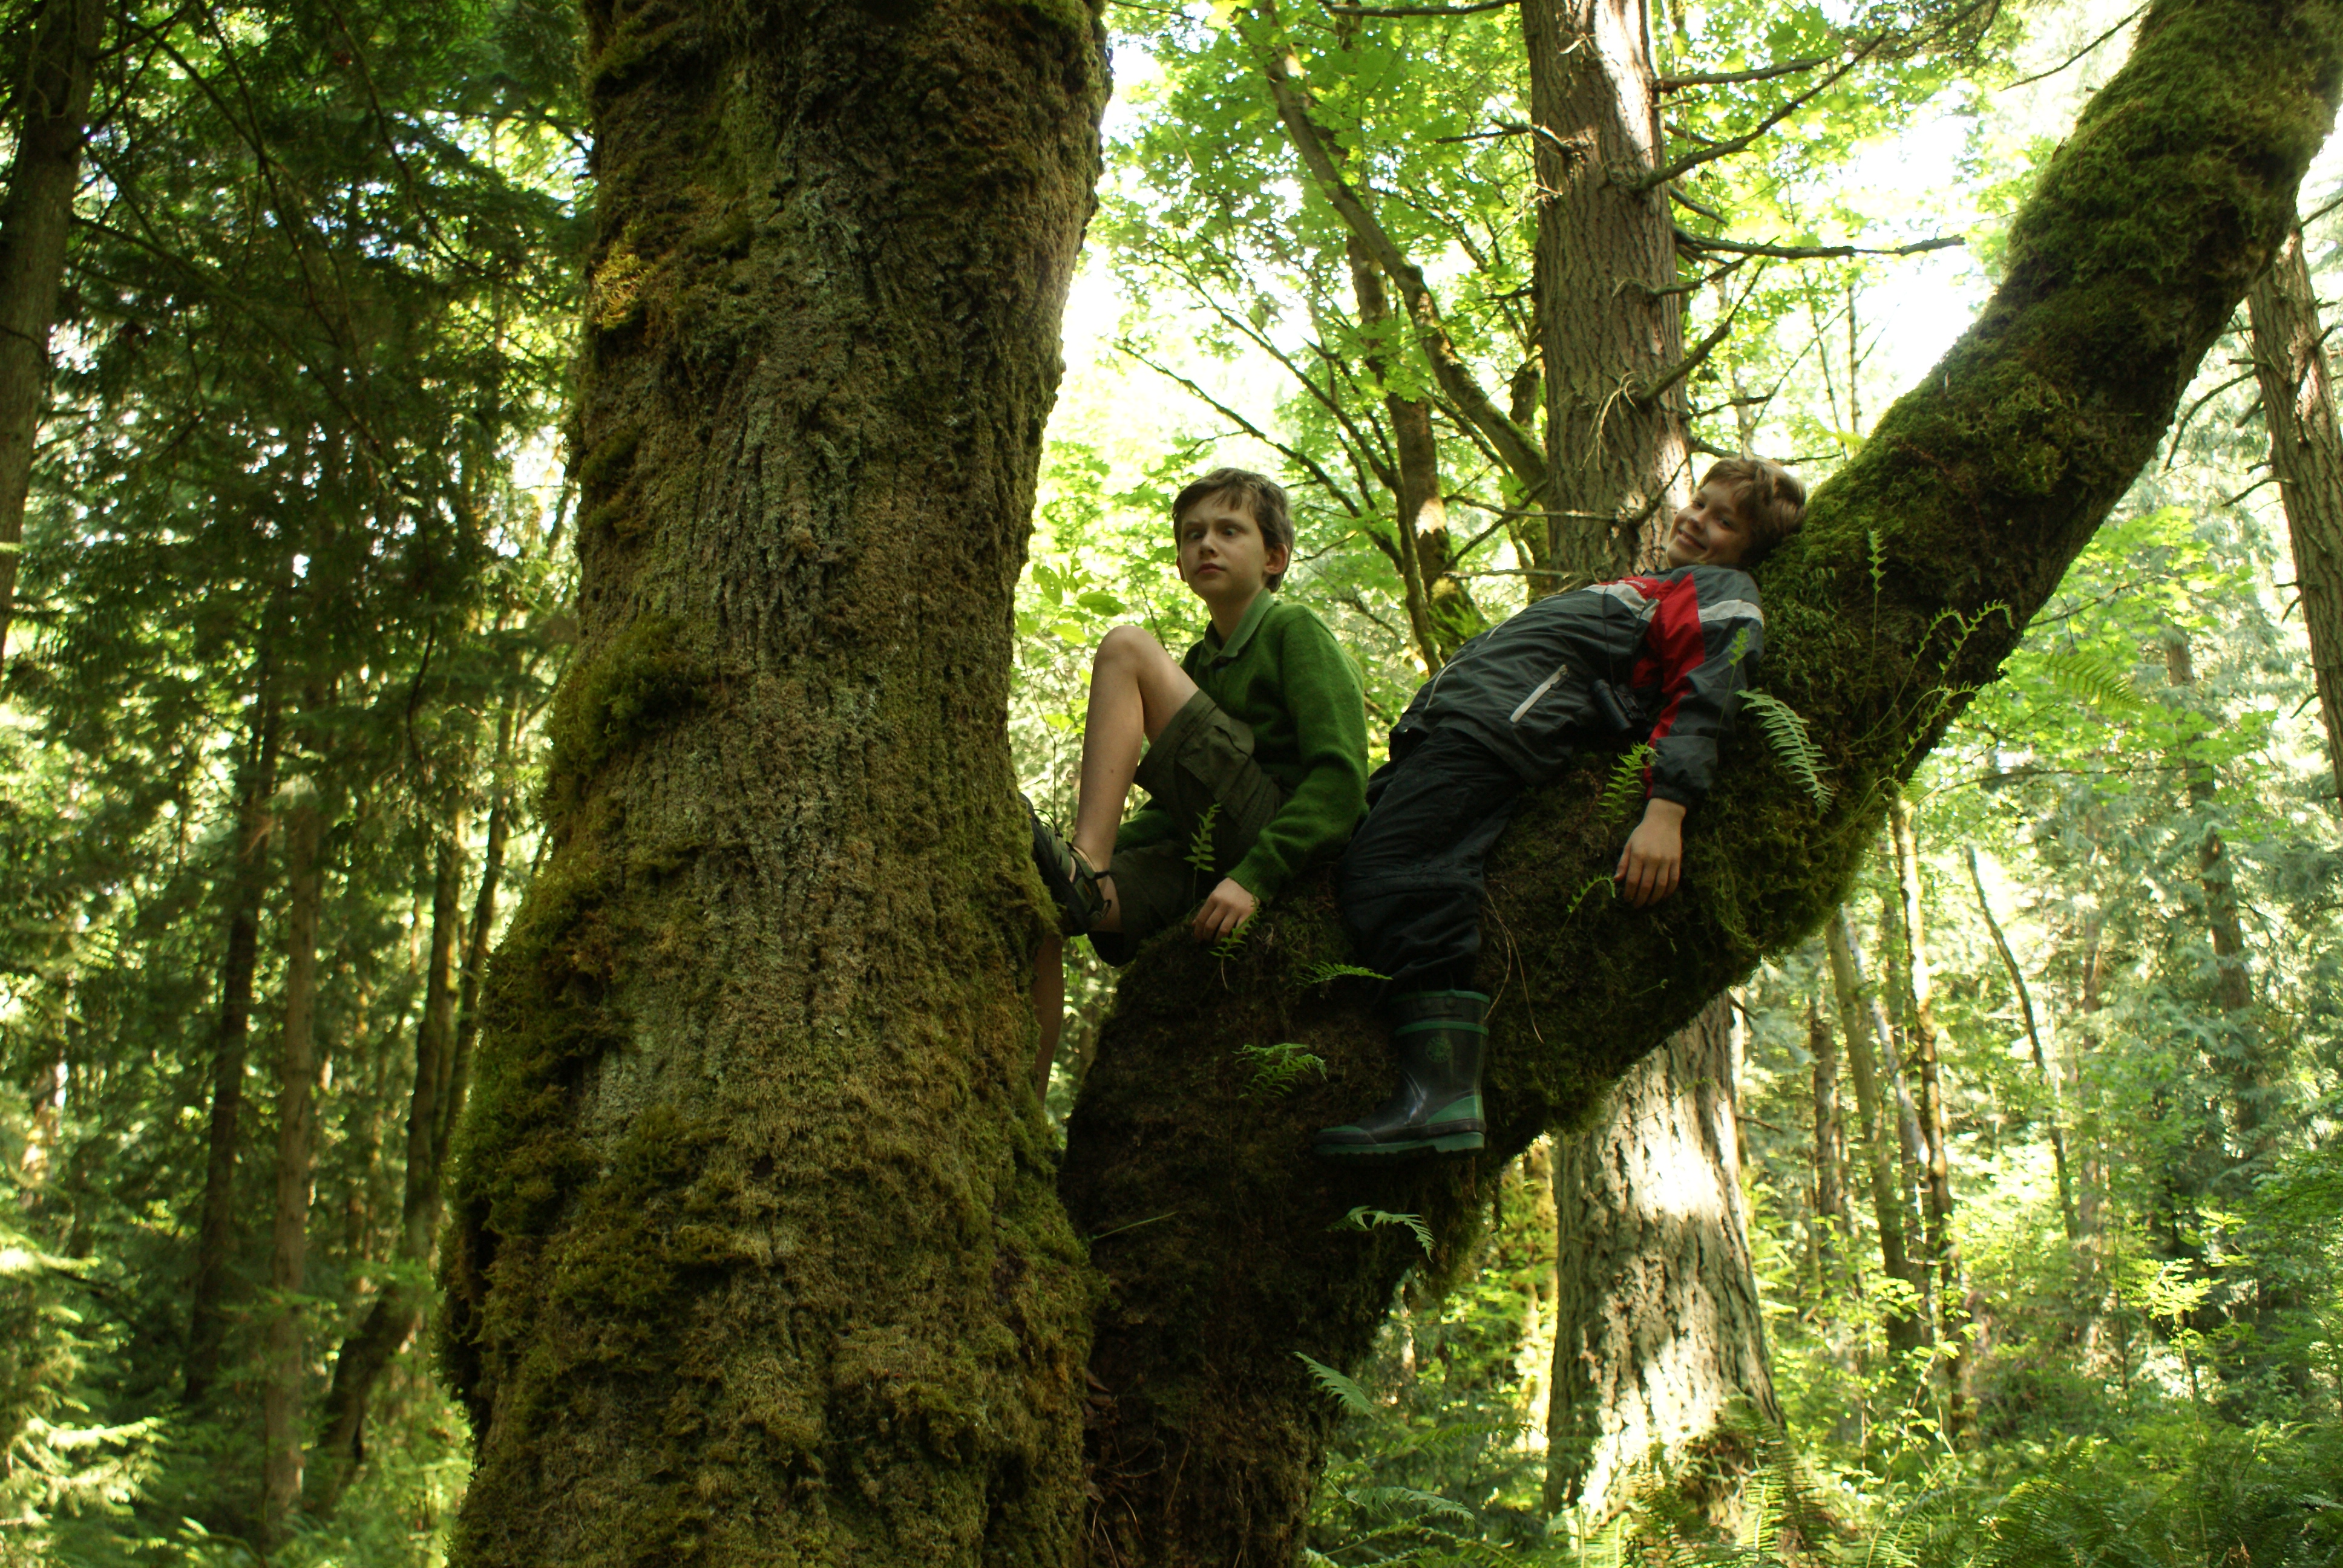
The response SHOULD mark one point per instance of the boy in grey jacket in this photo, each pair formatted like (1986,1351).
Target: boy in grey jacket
(1665,656)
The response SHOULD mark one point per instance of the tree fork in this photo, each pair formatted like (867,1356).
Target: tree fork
(753,1254)
(1211,1220)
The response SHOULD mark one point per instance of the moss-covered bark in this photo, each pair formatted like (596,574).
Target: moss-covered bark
(754,1255)
(1919,566)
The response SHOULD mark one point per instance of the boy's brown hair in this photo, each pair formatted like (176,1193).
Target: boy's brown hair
(1271,513)
(1766,496)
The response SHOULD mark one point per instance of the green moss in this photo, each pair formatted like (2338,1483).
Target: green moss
(612,463)
(641,679)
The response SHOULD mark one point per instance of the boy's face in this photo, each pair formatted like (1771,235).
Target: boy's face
(1222,557)
(1708,530)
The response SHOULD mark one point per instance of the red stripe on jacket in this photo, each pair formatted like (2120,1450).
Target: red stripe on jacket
(1675,636)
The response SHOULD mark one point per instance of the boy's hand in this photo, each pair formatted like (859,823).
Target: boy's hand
(1654,857)
(1229,906)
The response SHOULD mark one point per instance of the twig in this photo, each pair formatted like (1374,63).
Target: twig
(2038,75)
(1688,240)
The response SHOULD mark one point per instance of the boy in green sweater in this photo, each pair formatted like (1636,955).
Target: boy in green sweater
(1256,755)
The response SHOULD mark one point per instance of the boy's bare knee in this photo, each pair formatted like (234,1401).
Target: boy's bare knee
(1126,647)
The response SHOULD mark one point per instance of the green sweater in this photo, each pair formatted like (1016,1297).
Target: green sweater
(1285,675)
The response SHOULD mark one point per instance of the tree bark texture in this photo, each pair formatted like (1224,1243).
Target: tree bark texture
(247,891)
(1659,1329)
(2306,455)
(753,1255)
(1935,1122)
(34,220)
(397,1306)
(1609,325)
(1906,1330)
(1211,1222)
(287,1363)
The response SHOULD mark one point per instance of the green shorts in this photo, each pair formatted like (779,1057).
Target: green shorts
(1202,760)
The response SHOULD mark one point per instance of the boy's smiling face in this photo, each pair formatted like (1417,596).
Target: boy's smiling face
(1708,529)
(1222,557)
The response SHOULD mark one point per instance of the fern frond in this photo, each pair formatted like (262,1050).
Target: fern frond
(2095,680)
(1352,1397)
(1787,733)
(1276,1069)
(1606,883)
(1366,1218)
(1320,974)
(1624,791)
(1199,844)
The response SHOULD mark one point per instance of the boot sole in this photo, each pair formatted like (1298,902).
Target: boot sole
(1452,1143)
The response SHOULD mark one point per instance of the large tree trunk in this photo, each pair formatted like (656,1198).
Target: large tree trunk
(287,1363)
(1907,1330)
(1212,1219)
(1943,1246)
(1609,318)
(247,889)
(2306,455)
(1659,1331)
(398,1307)
(753,1254)
(34,222)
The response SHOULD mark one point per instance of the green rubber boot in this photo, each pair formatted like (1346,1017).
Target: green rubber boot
(1438,1035)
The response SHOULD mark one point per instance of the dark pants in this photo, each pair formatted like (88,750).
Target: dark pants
(1410,880)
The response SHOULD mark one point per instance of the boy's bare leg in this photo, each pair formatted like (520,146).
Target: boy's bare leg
(1048,1007)
(1135,688)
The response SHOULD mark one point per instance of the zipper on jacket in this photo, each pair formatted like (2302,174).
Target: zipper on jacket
(1531,701)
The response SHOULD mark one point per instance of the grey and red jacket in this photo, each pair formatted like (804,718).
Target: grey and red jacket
(1676,647)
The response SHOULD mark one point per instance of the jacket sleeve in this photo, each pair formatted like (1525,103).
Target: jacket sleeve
(1707,633)
(1322,691)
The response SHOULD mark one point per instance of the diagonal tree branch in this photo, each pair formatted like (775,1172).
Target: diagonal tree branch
(1518,448)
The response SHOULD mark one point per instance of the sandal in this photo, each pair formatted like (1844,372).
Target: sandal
(1072,881)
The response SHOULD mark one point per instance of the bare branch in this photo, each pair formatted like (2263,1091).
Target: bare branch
(1302,460)
(1706,346)
(1422,10)
(1705,245)
(1734,78)
(2078,54)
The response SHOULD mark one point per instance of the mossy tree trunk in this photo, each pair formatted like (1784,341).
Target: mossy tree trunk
(1214,1225)
(753,1254)
(285,1367)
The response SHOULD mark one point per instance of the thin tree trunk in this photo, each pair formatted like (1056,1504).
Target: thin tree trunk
(2067,1210)
(1830,1146)
(34,219)
(753,1252)
(1610,322)
(296,1135)
(247,891)
(2243,1061)
(1907,1328)
(1659,1331)
(2306,455)
(478,937)
(398,1307)
(2091,1183)
(1415,486)
(1944,1247)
